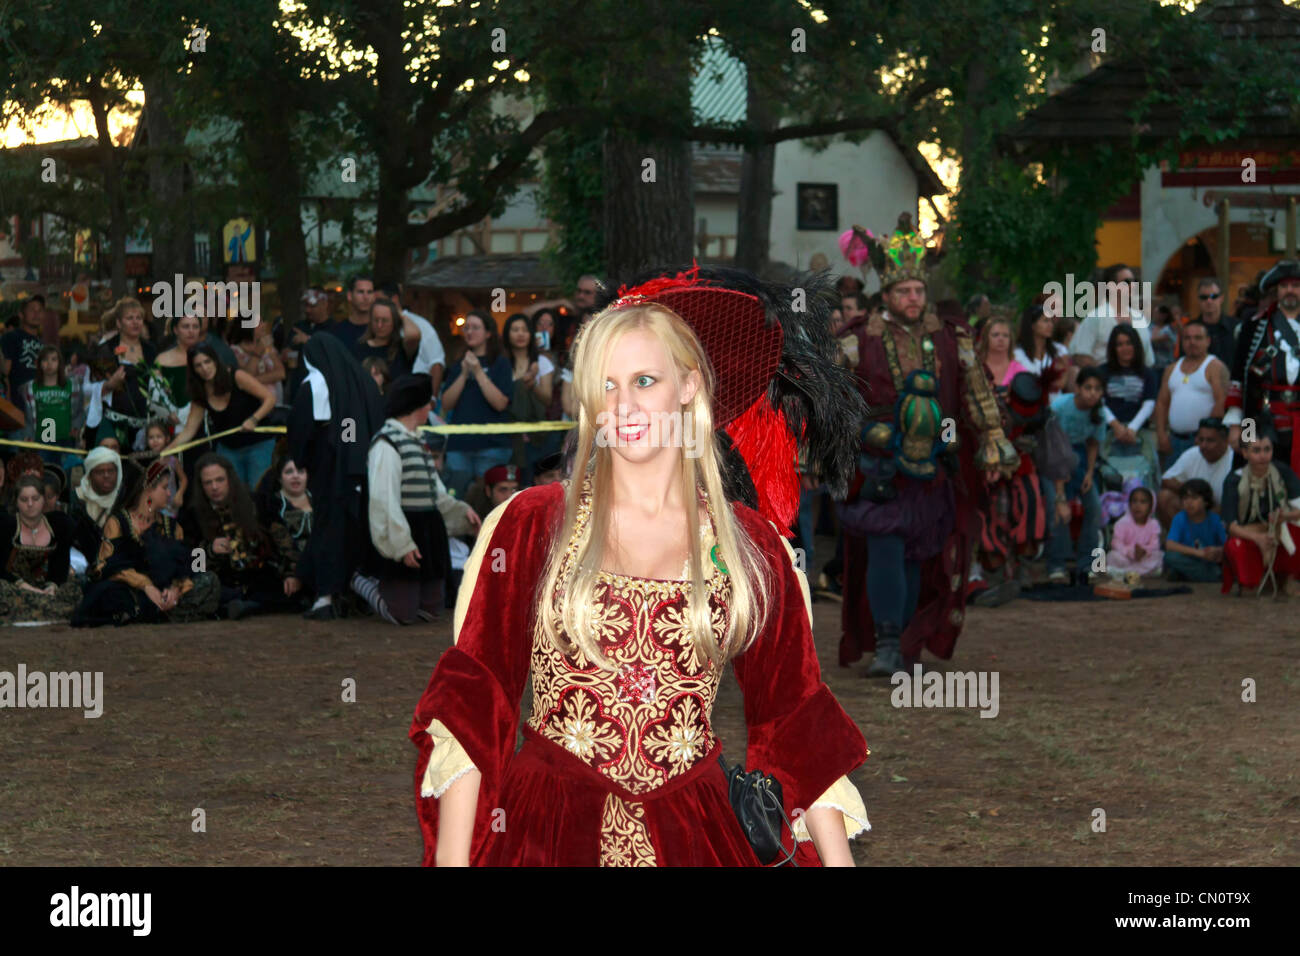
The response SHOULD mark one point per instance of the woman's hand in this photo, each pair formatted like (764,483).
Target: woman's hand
(1086,485)
(170,597)
(153,594)
(291,586)
(412,558)
(472,519)
(470,365)
(24,586)
(530,377)
(249,424)
(1064,513)
(116,379)
(221,546)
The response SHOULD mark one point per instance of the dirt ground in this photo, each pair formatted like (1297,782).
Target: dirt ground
(1132,707)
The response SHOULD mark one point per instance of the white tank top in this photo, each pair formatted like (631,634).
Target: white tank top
(1191,397)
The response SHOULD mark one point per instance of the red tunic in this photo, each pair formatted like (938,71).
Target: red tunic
(621,767)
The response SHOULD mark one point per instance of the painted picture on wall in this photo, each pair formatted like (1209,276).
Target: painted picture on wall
(819,206)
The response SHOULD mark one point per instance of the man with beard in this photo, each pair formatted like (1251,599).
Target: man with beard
(1265,387)
(94,500)
(909,518)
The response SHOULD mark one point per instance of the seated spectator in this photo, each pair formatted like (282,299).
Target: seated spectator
(223,519)
(95,500)
(1135,545)
(1210,460)
(412,564)
(54,483)
(35,584)
(497,486)
(287,513)
(1194,548)
(1079,414)
(1261,507)
(550,469)
(143,572)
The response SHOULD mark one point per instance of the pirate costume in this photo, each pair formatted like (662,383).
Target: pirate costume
(910,516)
(1265,382)
(620,768)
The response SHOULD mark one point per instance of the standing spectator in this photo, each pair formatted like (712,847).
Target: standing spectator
(228,398)
(1038,352)
(391,336)
(1164,338)
(256,354)
(1222,328)
(377,368)
(173,365)
(20,348)
(430,359)
(1195,387)
(1080,417)
(361,295)
(316,308)
(157,434)
(853,310)
(1194,548)
(55,402)
(1131,391)
(1135,547)
(1210,461)
(1261,507)
(478,391)
(336,412)
(127,409)
(533,376)
(1088,347)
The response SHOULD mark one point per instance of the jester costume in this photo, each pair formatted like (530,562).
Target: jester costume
(620,767)
(934,427)
(1265,370)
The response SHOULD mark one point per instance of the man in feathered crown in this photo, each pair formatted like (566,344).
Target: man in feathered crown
(934,433)
(1266,367)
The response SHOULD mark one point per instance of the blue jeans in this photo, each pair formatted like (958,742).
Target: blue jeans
(1059,544)
(807,506)
(250,462)
(464,466)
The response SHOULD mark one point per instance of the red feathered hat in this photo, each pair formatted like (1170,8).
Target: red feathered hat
(744,348)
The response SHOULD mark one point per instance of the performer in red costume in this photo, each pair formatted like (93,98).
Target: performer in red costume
(936,433)
(626,589)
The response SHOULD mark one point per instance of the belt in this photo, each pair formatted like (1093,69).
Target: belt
(1283,393)
(1182,434)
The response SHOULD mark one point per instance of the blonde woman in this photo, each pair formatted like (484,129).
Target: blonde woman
(626,591)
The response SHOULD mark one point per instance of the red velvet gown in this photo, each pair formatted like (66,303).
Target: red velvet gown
(621,767)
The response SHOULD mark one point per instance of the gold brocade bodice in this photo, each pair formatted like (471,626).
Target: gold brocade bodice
(647,720)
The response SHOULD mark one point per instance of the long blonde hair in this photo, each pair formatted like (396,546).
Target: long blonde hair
(568,599)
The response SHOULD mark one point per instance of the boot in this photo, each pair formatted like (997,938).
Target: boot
(889,655)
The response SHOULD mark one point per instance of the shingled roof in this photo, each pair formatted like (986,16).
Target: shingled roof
(512,272)
(1100,105)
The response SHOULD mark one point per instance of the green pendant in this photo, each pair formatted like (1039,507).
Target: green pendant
(927,345)
(713,554)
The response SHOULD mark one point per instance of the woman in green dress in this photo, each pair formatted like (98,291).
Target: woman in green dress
(172,365)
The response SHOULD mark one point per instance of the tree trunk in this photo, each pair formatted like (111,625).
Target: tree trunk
(392,144)
(171,228)
(754,209)
(113,191)
(271,149)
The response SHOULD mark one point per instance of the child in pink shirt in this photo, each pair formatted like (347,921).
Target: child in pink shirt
(1135,545)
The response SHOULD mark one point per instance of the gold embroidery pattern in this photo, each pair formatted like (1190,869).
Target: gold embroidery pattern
(624,840)
(646,721)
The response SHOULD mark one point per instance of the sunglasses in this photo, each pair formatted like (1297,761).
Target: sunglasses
(1209,295)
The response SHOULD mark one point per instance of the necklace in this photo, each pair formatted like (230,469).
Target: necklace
(30,530)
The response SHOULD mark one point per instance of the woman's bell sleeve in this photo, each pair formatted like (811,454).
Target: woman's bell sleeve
(468,717)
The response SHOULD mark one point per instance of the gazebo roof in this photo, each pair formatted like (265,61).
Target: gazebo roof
(1099,106)
(513,272)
